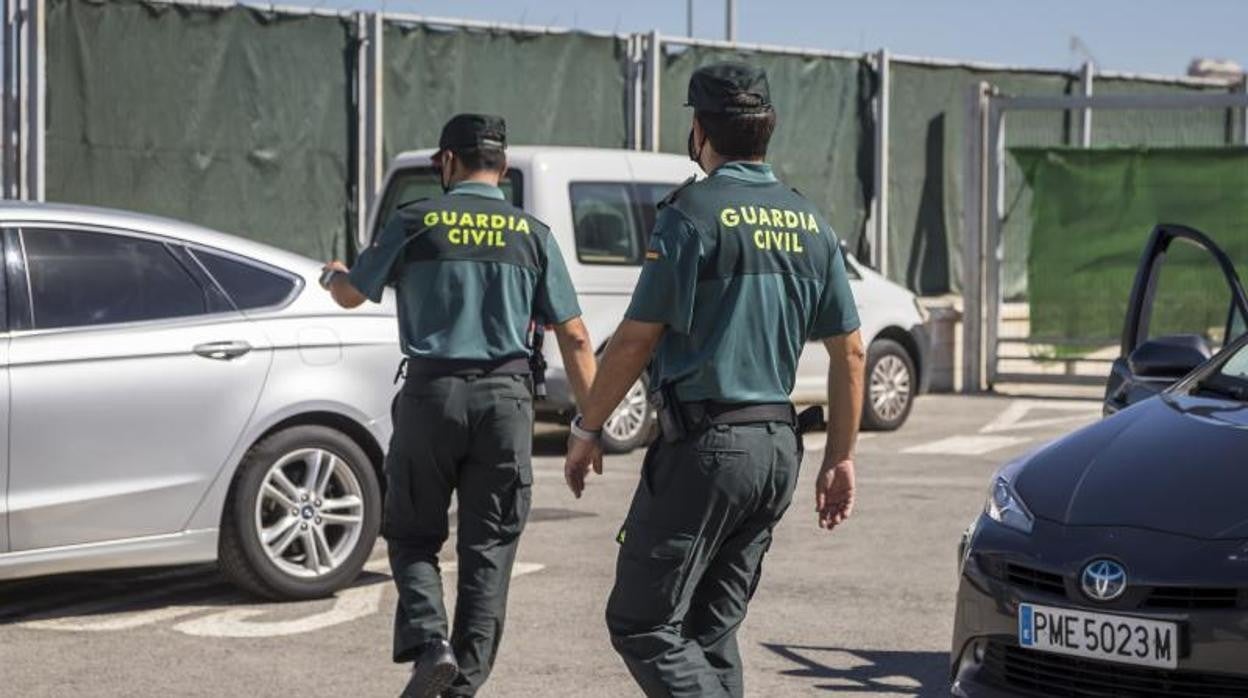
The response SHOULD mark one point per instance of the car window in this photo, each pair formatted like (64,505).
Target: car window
(414,183)
(82,278)
(612,220)
(248,285)
(605,220)
(1191,296)
(1237,365)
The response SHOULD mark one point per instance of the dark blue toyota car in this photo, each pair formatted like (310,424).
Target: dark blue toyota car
(1114,561)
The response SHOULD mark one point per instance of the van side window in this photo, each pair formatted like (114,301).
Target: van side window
(612,220)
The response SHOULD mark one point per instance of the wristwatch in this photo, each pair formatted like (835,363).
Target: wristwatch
(584,434)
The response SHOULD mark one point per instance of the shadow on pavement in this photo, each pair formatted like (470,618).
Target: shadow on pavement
(550,442)
(107,593)
(867,671)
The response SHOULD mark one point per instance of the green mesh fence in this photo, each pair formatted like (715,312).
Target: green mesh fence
(231,118)
(553,89)
(1092,213)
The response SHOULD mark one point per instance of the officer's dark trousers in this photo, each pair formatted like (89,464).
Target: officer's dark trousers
(472,436)
(691,554)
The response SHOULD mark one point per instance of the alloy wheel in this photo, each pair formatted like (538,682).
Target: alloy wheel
(309,513)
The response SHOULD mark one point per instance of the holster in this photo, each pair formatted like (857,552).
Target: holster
(537,361)
(672,425)
(811,419)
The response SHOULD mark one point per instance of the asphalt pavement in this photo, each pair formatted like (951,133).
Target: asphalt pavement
(864,611)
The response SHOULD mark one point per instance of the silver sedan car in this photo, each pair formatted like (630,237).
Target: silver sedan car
(178,395)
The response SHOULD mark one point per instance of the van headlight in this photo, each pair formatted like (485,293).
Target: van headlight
(1005,506)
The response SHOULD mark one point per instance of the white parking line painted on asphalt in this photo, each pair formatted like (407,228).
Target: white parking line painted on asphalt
(966,445)
(120,621)
(348,605)
(94,616)
(816,440)
(1011,418)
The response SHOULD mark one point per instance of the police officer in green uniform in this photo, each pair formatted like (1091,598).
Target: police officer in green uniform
(741,272)
(471,272)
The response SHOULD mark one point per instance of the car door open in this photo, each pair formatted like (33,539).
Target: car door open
(1186,303)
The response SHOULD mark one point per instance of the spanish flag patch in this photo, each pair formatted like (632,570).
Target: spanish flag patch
(652,255)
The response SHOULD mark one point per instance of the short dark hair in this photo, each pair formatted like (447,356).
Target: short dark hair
(736,135)
(479,159)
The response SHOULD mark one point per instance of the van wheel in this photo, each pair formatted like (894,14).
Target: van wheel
(302,515)
(890,386)
(631,425)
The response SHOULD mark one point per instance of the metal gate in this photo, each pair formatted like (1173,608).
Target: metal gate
(998,346)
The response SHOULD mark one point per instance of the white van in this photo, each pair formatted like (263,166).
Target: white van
(601,203)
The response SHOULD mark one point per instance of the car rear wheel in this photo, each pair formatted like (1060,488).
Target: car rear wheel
(302,515)
(630,426)
(891,382)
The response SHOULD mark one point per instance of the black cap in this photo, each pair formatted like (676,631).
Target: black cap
(473,131)
(733,88)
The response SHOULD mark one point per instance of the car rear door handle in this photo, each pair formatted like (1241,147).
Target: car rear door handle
(222,351)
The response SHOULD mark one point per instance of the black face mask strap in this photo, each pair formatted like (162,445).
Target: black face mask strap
(695,155)
(442,176)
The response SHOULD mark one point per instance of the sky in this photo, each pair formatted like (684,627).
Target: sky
(1145,36)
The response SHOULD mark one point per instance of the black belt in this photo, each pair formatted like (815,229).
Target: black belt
(412,367)
(709,413)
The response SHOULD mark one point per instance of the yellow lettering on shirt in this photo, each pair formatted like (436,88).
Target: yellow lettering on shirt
(729,218)
(431,218)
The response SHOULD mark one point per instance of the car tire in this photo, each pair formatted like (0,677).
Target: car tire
(631,425)
(338,518)
(891,381)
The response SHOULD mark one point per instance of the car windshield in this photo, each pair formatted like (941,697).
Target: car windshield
(1231,380)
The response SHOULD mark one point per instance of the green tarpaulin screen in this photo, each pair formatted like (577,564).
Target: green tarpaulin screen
(1092,212)
(231,118)
(553,89)
(823,144)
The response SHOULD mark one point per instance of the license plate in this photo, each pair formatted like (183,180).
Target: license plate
(1103,636)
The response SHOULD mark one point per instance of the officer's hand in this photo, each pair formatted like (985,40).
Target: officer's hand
(337,266)
(834,493)
(582,455)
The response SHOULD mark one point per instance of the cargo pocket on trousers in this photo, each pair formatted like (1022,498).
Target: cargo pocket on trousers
(650,579)
(521,500)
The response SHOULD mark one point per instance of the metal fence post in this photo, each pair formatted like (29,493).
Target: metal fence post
(8,107)
(654,62)
(369,117)
(879,205)
(994,256)
(1086,76)
(1243,112)
(973,205)
(32,94)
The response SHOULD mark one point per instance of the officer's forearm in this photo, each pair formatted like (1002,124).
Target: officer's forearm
(578,357)
(625,358)
(845,376)
(345,294)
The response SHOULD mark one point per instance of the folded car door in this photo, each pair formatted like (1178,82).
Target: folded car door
(1187,294)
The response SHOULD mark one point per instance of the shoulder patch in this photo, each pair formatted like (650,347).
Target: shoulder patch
(675,193)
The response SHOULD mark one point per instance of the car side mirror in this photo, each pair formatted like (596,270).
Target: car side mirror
(1169,357)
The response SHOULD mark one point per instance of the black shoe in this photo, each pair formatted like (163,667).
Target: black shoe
(434,672)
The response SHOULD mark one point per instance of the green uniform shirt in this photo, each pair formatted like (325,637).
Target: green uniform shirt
(743,271)
(471,271)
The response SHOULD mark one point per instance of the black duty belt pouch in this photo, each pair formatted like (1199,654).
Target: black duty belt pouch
(672,424)
(811,419)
